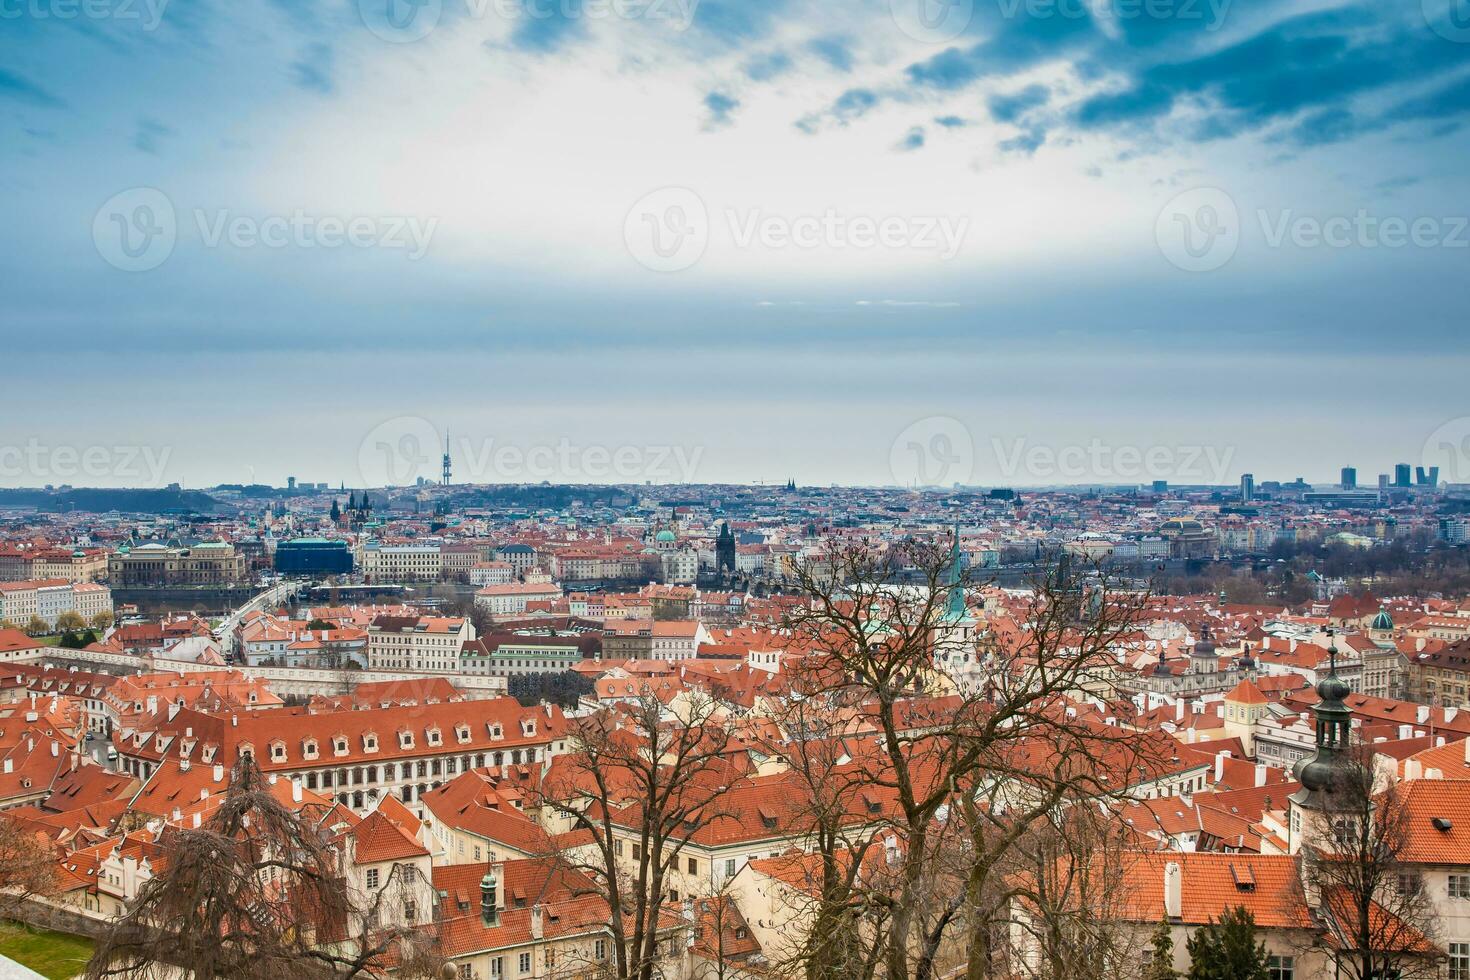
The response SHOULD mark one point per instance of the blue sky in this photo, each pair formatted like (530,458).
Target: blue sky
(650,222)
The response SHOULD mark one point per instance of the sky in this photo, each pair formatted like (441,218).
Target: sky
(913,242)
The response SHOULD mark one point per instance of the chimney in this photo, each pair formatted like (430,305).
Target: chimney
(490,897)
(1173,890)
(1421,714)
(1406,731)
(1179,710)
(536,921)
(1413,769)
(55,749)
(1449,714)
(152,704)
(219,773)
(1433,774)
(295,791)
(204,793)
(173,709)
(1220,758)
(9,766)
(1260,774)
(197,821)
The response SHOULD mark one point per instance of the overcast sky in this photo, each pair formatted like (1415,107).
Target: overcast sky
(999,241)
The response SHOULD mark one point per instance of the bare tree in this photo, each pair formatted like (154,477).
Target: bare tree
(971,773)
(1379,917)
(27,864)
(259,892)
(640,779)
(1071,883)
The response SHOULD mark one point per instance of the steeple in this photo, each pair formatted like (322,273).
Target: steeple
(957,608)
(1324,772)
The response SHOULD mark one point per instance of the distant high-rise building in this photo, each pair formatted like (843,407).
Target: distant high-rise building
(1401,475)
(1161,486)
(1349,479)
(1426,477)
(1383,481)
(1247,487)
(290,483)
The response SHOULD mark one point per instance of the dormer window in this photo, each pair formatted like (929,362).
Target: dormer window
(309,748)
(405,740)
(278,751)
(247,751)
(435,736)
(528,728)
(339,745)
(496,731)
(462,733)
(370,742)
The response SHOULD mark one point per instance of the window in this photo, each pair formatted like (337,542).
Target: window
(1280,968)
(729,867)
(1459,886)
(694,866)
(1408,884)
(339,746)
(466,971)
(599,950)
(497,966)
(523,963)
(410,912)
(372,877)
(1459,961)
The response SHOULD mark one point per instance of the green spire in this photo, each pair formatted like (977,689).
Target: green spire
(957,608)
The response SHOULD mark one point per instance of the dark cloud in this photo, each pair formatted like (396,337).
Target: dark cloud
(834,50)
(912,140)
(768,65)
(1011,106)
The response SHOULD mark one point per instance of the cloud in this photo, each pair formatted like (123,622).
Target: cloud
(149,134)
(545,28)
(313,70)
(720,107)
(951,122)
(1027,143)
(912,140)
(24,90)
(1006,108)
(766,66)
(834,50)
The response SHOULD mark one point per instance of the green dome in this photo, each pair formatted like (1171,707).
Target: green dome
(1383,621)
(664,535)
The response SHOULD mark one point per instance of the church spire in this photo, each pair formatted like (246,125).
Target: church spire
(957,608)
(1323,771)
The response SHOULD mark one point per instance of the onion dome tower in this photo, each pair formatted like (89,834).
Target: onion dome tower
(1323,774)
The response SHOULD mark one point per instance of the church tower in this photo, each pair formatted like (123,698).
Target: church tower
(1321,776)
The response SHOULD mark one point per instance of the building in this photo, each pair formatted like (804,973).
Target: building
(426,643)
(1349,480)
(1247,487)
(211,563)
(511,599)
(510,654)
(49,600)
(357,757)
(1402,475)
(313,556)
(401,563)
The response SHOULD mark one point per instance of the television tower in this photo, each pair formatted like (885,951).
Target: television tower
(445,479)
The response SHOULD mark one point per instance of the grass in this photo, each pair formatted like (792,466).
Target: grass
(51,954)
